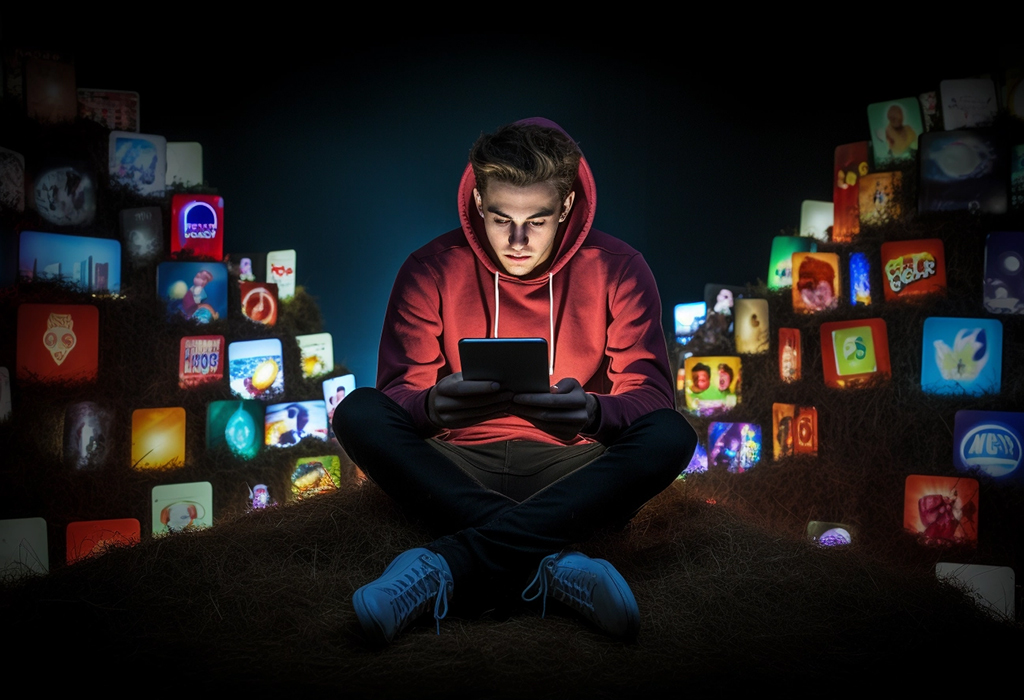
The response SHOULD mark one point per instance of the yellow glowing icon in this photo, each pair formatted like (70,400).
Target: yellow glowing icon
(158,438)
(265,374)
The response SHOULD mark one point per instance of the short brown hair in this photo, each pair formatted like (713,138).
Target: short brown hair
(525,154)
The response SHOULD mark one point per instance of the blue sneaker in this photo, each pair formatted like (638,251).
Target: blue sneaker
(591,587)
(412,583)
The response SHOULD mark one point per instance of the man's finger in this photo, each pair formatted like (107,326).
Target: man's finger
(457,403)
(468,387)
(575,400)
(547,415)
(565,386)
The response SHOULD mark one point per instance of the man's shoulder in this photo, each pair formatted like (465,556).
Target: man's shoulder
(602,242)
(452,241)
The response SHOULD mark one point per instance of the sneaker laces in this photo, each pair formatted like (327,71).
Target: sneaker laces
(572,586)
(412,594)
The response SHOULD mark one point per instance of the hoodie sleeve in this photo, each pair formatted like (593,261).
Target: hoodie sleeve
(410,360)
(638,367)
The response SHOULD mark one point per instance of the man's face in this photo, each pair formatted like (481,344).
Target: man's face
(701,381)
(521,224)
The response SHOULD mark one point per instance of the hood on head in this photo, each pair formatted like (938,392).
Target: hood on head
(576,227)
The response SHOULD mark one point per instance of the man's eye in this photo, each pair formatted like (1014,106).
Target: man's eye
(537,224)
(501,222)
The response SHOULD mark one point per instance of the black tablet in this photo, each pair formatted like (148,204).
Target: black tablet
(520,365)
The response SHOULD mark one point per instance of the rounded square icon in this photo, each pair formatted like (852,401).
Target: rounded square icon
(854,350)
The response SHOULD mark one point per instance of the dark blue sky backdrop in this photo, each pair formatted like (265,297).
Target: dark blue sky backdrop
(352,156)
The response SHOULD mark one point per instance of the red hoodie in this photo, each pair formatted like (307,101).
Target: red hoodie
(599,295)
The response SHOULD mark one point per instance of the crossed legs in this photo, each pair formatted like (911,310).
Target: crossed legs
(457,491)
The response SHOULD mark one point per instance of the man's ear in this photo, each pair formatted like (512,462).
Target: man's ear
(567,206)
(479,202)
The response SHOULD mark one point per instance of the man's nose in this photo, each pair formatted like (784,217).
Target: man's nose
(518,235)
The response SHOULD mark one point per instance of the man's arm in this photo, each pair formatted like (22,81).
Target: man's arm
(410,361)
(638,380)
(638,370)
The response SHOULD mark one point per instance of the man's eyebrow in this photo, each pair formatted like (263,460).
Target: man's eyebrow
(541,213)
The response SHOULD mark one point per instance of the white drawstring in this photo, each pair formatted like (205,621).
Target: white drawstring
(495,303)
(551,318)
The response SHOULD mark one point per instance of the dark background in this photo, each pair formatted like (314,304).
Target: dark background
(348,148)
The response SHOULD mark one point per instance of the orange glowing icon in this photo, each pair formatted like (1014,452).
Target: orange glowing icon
(158,438)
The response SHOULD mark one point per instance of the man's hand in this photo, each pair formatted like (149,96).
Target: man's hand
(563,412)
(455,402)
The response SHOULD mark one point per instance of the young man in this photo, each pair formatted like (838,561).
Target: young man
(509,481)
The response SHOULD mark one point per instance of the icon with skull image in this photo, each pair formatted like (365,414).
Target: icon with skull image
(60,338)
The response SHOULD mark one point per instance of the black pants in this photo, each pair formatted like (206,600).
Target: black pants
(503,507)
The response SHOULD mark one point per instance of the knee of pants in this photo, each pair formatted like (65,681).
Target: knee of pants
(359,414)
(672,441)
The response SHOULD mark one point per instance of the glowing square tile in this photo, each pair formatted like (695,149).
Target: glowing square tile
(816,281)
(315,475)
(256,368)
(962,171)
(288,423)
(142,234)
(794,430)
(118,110)
(184,163)
(197,225)
(989,441)
(158,438)
(138,161)
(962,356)
(816,220)
(178,507)
(1004,272)
(259,302)
(941,509)
(235,425)
(90,264)
(200,360)
(317,351)
(895,127)
(910,268)
(853,352)
(88,431)
(335,390)
(790,354)
(992,587)
(720,298)
(281,271)
(829,534)
(24,548)
(63,193)
(248,267)
(735,446)
(688,318)
(860,279)
(193,290)
(877,202)
(58,342)
(91,538)
(712,384)
(751,326)
(968,103)
(780,266)
(698,462)
(851,164)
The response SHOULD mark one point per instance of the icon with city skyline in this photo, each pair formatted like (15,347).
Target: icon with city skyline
(90,264)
